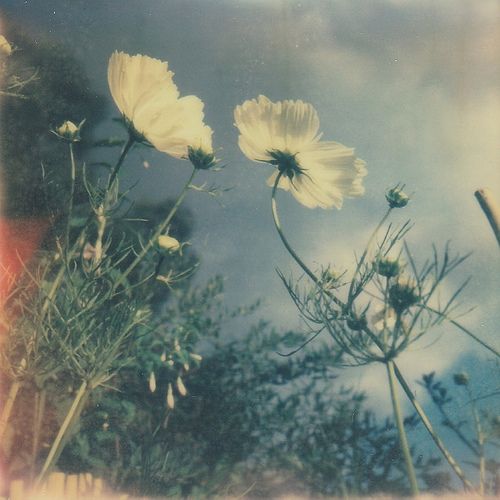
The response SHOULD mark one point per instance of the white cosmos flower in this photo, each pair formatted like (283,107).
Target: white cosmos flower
(286,134)
(145,93)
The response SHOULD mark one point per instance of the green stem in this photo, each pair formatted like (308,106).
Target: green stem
(7,409)
(64,431)
(423,417)
(116,169)
(38,418)
(480,442)
(403,441)
(365,253)
(437,440)
(71,195)
(161,228)
(291,251)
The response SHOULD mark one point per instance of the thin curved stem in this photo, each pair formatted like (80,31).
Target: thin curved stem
(116,169)
(161,228)
(365,253)
(290,250)
(403,440)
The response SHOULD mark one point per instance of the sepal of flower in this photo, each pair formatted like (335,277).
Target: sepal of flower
(286,162)
(387,267)
(68,131)
(461,379)
(5,47)
(200,159)
(402,296)
(396,197)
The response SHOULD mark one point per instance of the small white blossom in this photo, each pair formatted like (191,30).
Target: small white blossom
(152,382)
(170,397)
(286,135)
(181,387)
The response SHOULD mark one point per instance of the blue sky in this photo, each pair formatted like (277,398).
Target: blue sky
(412,85)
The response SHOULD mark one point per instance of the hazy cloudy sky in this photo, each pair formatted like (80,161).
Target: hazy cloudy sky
(412,85)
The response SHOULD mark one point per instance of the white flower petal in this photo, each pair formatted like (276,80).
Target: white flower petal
(266,126)
(318,173)
(145,93)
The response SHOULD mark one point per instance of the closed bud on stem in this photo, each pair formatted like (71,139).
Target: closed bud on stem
(396,197)
(402,295)
(385,266)
(461,378)
(170,397)
(69,131)
(196,357)
(167,243)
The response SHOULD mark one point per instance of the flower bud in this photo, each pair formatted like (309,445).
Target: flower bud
(200,159)
(387,267)
(196,357)
(170,397)
(402,295)
(461,378)
(397,198)
(356,324)
(69,131)
(168,243)
(152,382)
(163,357)
(181,387)
(5,47)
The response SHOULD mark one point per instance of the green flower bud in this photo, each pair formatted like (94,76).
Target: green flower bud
(200,159)
(397,198)
(402,295)
(356,324)
(387,267)
(461,378)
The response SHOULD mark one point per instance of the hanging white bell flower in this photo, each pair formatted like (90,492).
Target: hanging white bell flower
(170,397)
(152,382)
(145,93)
(181,387)
(286,134)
